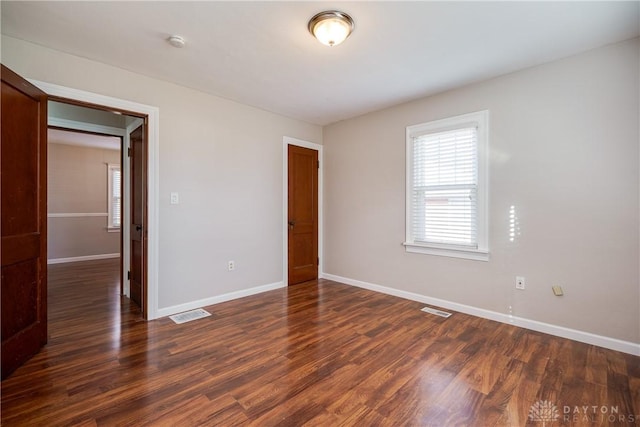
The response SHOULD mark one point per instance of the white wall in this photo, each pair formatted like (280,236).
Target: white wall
(77,183)
(564,142)
(223,158)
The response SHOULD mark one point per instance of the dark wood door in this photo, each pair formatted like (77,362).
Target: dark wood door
(303,214)
(23,172)
(138,159)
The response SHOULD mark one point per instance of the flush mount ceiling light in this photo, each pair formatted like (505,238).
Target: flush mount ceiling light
(176,41)
(331,27)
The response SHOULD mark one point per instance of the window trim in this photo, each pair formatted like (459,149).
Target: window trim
(481,119)
(110,168)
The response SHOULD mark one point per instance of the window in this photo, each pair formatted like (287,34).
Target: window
(114,199)
(447,187)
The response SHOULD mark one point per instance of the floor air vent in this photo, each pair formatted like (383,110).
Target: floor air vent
(188,316)
(436,312)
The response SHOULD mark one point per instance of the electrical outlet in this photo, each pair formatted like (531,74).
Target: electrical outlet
(557,291)
(231,265)
(520,283)
(175,198)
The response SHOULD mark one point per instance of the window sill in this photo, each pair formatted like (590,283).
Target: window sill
(473,254)
(113,229)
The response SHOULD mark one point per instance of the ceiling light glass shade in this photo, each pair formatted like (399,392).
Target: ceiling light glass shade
(331,27)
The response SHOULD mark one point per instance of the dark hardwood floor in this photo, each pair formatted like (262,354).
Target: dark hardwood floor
(320,353)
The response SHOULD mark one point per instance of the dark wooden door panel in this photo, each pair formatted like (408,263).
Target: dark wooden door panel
(303,214)
(26,295)
(138,242)
(136,272)
(24,218)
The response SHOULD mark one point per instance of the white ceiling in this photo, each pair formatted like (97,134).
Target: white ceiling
(261,54)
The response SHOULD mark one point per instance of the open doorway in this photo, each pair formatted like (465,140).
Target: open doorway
(83,196)
(91,195)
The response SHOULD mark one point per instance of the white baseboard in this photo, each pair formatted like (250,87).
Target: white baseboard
(168,311)
(82,258)
(560,331)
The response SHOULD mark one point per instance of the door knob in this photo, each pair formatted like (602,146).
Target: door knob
(292,224)
(138,227)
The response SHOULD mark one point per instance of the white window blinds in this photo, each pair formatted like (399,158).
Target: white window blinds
(445,187)
(114,196)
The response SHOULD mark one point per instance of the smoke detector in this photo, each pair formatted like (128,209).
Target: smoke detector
(176,41)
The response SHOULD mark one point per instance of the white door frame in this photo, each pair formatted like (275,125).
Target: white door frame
(286,141)
(152,114)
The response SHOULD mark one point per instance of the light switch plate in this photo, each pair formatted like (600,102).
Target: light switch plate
(557,291)
(175,199)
